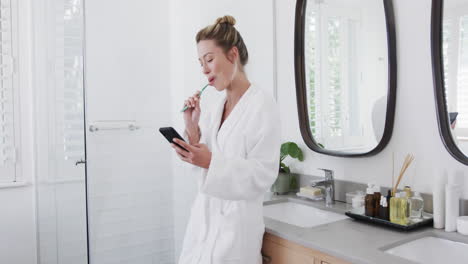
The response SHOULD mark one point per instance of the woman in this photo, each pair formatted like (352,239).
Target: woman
(235,149)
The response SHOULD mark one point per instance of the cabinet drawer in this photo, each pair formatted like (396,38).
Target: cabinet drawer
(281,251)
(278,254)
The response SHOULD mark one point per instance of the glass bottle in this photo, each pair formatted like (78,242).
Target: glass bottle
(369,201)
(383,208)
(377,196)
(389,196)
(399,209)
(416,207)
(393,207)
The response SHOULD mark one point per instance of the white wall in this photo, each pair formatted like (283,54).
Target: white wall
(415,129)
(17,221)
(17,225)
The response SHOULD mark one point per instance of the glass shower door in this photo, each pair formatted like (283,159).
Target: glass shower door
(104,192)
(130,194)
(61,181)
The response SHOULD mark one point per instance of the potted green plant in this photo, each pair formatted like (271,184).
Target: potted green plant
(287,181)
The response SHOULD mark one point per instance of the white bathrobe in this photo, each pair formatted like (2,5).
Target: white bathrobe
(226,222)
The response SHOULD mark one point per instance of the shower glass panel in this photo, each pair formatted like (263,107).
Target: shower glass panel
(61,185)
(104,191)
(130,212)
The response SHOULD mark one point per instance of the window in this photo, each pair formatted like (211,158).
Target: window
(331,65)
(462,80)
(9,101)
(455,63)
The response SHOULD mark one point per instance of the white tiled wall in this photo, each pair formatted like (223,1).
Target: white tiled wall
(130,207)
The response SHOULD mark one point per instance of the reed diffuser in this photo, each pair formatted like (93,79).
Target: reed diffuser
(399,203)
(408,159)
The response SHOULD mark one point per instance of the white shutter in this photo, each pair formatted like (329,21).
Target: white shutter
(8,93)
(67,119)
(447,52)
(312,60)
(332,67)
(334,102)
(462,80)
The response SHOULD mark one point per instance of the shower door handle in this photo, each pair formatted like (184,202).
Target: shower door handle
(80,162)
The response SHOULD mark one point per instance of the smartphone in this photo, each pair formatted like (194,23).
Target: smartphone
(169,133)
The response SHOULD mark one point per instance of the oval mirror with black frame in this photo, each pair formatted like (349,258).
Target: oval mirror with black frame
(345,66)
(449,36)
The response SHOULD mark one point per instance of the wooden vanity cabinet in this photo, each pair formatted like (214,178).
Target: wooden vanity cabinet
(277,250)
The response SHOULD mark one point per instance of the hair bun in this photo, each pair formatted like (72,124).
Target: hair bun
(226,20)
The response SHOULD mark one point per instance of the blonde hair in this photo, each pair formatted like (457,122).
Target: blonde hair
(225,36)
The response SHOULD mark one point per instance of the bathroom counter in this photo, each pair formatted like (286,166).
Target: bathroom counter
(349,240)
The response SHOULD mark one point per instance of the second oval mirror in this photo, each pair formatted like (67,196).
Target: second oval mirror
(345,75)
(450,72)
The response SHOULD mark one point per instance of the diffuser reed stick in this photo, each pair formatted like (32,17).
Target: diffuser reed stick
(408,159)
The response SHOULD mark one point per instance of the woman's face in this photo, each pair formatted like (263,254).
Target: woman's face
(218,67)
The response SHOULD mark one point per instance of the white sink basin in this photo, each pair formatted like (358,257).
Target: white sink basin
(431,249)
(300,215)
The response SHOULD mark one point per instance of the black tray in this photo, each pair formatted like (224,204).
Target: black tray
(427,220)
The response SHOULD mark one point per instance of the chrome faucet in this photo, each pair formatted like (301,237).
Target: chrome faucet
(329,185)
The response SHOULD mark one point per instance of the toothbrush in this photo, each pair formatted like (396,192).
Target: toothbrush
(186,107)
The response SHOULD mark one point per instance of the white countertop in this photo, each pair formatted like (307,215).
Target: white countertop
(350,240)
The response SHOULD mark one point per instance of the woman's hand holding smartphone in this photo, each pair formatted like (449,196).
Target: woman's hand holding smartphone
(196,154)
